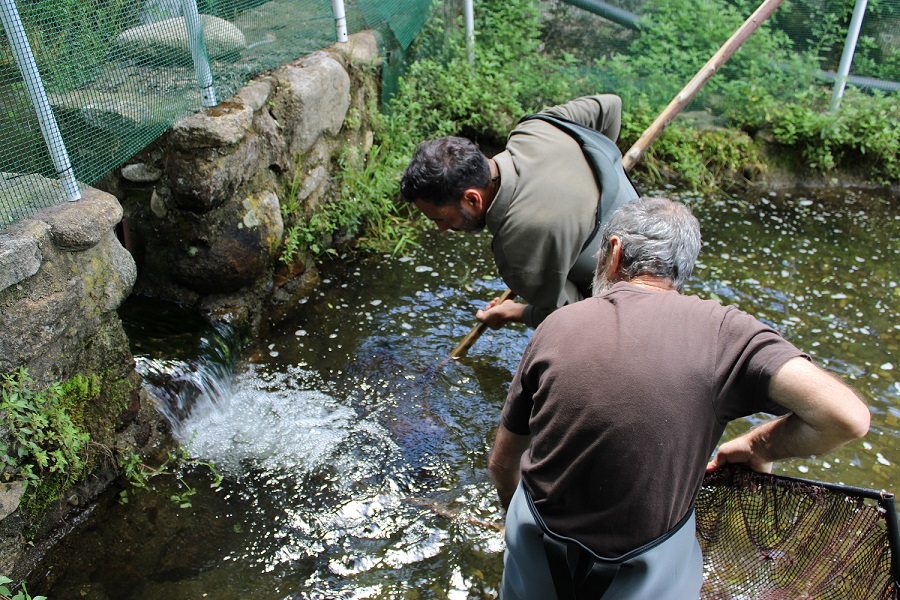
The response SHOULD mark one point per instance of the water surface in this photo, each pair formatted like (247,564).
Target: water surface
(354,452)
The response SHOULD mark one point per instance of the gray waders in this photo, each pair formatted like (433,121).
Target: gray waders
(541,565)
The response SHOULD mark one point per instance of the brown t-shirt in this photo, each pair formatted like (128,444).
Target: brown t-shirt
(626,396)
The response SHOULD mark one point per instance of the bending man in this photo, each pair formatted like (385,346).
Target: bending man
(617,405)
(538,198)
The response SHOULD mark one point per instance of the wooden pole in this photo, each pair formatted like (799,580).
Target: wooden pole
(682,99)
(687,94)
(463,348)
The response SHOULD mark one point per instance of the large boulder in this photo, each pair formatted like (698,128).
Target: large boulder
(69,271)
(313,99)
(220,251)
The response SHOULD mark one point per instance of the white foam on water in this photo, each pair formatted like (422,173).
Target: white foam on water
(269,422)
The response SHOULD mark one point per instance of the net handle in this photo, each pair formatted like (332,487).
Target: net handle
(889,503)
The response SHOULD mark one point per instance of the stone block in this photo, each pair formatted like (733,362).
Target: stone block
(223,125)
(361,49)
(141,173)
(202,180)
(76,226)
(167,41)
(313,98)
(10,495)
(20,252)
(254,94)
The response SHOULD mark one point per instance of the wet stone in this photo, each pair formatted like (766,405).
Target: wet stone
(10,497)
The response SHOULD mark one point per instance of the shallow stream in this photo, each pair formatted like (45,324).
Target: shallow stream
(354,453)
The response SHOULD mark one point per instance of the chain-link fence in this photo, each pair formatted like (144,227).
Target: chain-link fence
(802,42)
(116,74)
(85,84)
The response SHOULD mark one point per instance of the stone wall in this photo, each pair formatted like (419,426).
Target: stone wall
(195,218)
(63,274)
(203,204)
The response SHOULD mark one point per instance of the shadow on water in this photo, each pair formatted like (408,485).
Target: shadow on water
(356,468)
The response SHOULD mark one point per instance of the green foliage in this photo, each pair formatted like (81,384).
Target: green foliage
(442,93)
(7,594)
(766,85)
(364,210)
(866,129)
(369,185)
(43,440)
(669,52)
(699,158)
(820,28)
(140,475)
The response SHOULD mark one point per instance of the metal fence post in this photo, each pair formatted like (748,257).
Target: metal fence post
(340,19)
(469,11)
(847,57)
(15,31)
(198,53)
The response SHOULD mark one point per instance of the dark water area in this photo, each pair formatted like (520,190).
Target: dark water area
(354,453)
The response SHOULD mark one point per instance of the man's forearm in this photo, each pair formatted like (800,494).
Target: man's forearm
(504,463)
(775,440)
(826,414)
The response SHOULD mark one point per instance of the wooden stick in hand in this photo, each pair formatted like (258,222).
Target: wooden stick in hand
(463,348)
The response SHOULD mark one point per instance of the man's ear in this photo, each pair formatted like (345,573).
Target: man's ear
(473,199)
(614,257)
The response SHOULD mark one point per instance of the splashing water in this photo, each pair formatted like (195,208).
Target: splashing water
(355,470)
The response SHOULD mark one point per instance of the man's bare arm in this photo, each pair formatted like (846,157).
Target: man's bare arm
(504,462)
(825,414)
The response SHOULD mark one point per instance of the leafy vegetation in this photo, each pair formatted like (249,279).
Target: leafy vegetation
(866,130)
(45,441)
(139,474)
(42,438)
(22,594)
(364,210)
(767,90)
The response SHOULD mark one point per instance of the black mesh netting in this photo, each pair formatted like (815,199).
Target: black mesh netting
(766,537)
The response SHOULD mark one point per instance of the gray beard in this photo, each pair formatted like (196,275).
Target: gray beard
(601,283)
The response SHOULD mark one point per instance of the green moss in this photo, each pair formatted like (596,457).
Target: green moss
(58,434)
(45,492)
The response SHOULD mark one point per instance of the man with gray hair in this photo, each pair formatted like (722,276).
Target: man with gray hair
(617,406)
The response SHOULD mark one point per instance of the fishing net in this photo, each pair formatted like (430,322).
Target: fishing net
(768,537)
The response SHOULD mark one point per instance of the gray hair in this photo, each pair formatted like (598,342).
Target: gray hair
(659,237)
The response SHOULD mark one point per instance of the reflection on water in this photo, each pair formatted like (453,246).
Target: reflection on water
(355,453)
(824,271)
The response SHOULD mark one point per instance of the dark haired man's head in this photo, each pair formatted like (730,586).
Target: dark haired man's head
(448,180)
(442,169)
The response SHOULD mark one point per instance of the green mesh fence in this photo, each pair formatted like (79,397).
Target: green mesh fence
(116,74)
(768,537)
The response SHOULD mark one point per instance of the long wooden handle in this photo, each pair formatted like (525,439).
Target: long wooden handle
(684,97)
(463,348)
(677,104)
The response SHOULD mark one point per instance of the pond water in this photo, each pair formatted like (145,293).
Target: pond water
(354,453)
